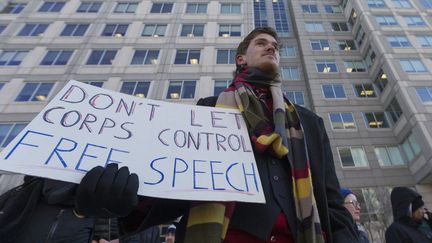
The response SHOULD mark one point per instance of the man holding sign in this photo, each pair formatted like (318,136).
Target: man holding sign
(293,157)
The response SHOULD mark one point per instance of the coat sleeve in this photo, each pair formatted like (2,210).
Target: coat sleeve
(342,226)
(393,235)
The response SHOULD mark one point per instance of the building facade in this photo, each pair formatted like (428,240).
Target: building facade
(364,66)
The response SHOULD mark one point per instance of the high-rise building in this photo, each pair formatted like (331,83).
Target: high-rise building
(364,66)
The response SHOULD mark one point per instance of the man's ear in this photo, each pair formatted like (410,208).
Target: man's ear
(240,60)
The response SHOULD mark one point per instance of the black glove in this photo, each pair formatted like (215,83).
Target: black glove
(107,192)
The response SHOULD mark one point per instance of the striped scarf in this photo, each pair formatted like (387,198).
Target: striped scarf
(280,134)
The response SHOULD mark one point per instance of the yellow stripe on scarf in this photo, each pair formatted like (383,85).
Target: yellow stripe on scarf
(206,213)
(276,141)
(303,187)
(226,106)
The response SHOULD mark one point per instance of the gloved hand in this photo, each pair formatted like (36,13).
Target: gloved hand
(107,192)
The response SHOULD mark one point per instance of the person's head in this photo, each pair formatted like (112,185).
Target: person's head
(407,203)
(417,209)
(260,48)
(170,234)
(351,203)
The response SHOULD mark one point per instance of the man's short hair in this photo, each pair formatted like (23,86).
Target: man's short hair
(243,46)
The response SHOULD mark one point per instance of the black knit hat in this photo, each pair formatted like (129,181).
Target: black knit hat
(416,204)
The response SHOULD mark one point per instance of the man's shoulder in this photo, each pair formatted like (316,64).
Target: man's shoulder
(303,112)
(207,101)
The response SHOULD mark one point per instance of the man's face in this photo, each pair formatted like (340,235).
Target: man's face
(418,214)
(170,237)
(263,50)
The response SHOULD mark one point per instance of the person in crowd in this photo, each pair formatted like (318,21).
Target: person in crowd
(411,221)
(293,157)
(170,234)
(353,206)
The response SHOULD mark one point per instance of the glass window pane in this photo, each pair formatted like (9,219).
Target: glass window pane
(27,92)
(4,131)
(128,88)
(174,90)
(346,157)
(42,92)
(382,156)
(15,131)
(142,89)
(188,90)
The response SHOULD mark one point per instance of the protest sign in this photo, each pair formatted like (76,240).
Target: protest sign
(178,151)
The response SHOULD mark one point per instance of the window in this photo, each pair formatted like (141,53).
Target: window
(411,147)
(296,97)
(381,81)
(138,88)
(184,89)
(226,30)
(333,9)
(326,66)
(220,86)
(74,30)
(353,17)
(14,8)
(161,8)
(394,111)
(398,41)
(354,66)
(314,27)
(89,7)
(60,57)
(145,57)
(12,58)
(375,3)
(260,13)
(288,52)
(426,3)
(375,120)
(1,85)
(192,30)
(154,30)
(117,30)
(364,90)
(94,83)
(425,94)
(360,36)
(310,8)
(320,45)
(226,56)
(413,20)
(370,57)
(35,91)
(425,41)
(346,45)
(388,155)
(333,91)
(386,20)
(339,26)
(290,73)
(8,131)
(352,156)
(51,7)
(2,28)
(126,8)
(188,56)
(342,121)
(33,29)
(230,8)
(280,17)
(402,3)
(196,8)
(412,65)
(101,57)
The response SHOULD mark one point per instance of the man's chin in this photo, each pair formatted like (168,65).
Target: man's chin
(270,68)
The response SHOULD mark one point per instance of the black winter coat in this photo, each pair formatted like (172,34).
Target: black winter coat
(336,221)
(404,229)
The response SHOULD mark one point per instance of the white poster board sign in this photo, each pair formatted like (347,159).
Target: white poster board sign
(178,151)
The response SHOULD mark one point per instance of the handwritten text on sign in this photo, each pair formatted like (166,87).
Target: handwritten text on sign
(178,151)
